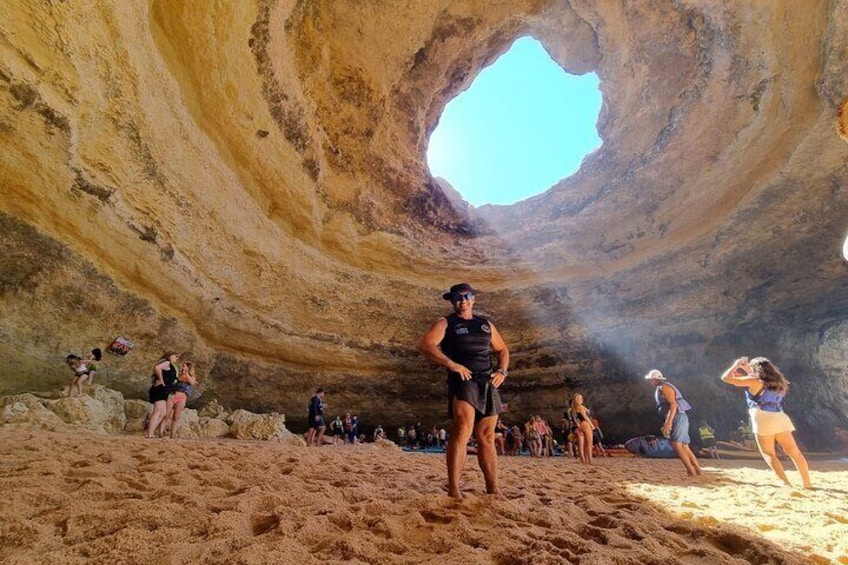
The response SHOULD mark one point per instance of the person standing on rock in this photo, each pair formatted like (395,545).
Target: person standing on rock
(673,407)
(463,343)
(765,388)
(164,379)
(315,435)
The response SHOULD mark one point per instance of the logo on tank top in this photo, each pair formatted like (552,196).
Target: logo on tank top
(460,329)
(485,328)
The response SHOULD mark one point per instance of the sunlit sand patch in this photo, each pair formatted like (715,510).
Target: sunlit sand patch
(749,495)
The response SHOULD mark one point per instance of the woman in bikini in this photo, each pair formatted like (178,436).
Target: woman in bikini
(178,398)
(765,388)
(584,428)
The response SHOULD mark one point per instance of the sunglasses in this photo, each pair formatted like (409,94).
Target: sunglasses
(462,296)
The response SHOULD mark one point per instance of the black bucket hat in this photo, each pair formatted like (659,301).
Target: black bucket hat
(458,289)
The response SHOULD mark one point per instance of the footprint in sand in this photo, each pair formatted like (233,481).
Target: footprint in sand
(434,517)
(264,523)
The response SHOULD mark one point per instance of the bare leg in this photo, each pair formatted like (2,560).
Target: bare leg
(159,409)
(687,458)
(463,425)
(787,441)
(319,436)
(83,380)
(310,436)
(178,410)
(585,443)
(169,410)
(766,445)
(487,457)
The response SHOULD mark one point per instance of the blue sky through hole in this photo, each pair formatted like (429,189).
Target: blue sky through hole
(522,126)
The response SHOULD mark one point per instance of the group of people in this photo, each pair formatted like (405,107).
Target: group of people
(84,371)
(171,386)
(416,436)
(344,430)
(464,344)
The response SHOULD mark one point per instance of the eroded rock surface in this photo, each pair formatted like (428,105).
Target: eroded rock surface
(246,182)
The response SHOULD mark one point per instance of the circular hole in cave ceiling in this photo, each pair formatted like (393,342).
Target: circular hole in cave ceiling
(522,126)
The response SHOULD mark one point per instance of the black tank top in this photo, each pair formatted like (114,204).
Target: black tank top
(169,375)
(469,343)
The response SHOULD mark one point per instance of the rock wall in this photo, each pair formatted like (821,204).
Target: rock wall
(246,182)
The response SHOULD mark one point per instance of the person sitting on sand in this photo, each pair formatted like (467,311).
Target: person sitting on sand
(500,437)
(673,407)
(178,398)
(569,429)
(463,343)
(584,428)
(547,437)
(598,439)
(765,389)
(708,439)
(163,380)
(315,435)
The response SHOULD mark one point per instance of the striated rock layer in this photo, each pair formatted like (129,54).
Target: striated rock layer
(246,182)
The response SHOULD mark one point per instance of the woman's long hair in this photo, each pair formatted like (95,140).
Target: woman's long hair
(574,404)
(770,374)
(189,367)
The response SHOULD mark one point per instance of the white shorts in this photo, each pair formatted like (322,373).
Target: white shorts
(769,423)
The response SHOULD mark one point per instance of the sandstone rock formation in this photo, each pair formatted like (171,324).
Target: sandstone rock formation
(245,181)
(105,411)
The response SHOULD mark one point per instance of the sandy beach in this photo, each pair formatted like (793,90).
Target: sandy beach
(85,498)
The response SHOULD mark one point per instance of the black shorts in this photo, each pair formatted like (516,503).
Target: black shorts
(319,423)
(708,442)
(158,393)
(479,393)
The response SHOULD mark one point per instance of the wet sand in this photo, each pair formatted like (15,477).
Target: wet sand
(80,498)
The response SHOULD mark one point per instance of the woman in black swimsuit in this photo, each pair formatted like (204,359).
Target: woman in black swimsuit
(463,343)
(163,380)
(584,428)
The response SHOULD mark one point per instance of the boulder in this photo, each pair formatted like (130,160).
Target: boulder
(213,427)
(28,411)
(247,425)
(100,410)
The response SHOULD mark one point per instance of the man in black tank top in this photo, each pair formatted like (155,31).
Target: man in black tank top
(463,343)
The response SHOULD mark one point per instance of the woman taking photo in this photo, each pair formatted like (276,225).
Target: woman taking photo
(584,428)
(765,388)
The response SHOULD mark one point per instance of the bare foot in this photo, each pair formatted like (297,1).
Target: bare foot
(454,492)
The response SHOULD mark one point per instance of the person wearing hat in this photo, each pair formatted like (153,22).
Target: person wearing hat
(463,343)
(673,407)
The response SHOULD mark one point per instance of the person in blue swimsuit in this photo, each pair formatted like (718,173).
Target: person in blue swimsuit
(673,408)
(765,388)
(463,343)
